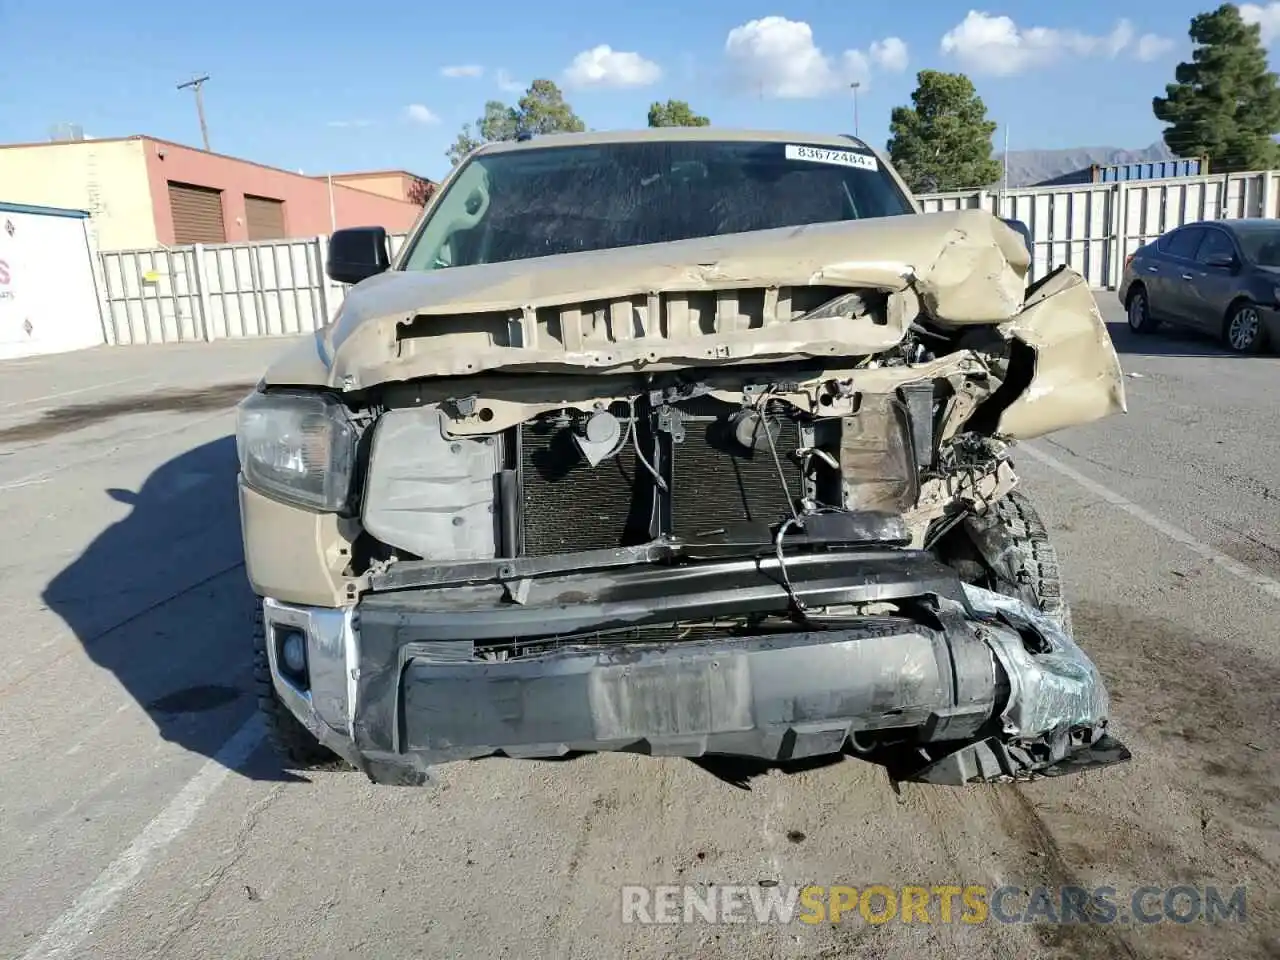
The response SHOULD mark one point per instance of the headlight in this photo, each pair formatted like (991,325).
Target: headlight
(297,447)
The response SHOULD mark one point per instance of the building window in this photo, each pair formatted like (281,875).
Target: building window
(265,217)
(197,214)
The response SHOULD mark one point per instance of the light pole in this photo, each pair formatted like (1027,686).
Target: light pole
(197,84)
(854,87)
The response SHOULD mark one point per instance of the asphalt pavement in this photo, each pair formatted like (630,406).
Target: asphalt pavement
(141,816)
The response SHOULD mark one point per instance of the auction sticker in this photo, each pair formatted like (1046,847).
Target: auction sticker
(843,158)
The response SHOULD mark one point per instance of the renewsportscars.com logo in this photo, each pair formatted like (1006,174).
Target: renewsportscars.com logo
(940,904)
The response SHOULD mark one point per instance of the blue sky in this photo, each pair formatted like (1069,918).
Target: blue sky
(328,85)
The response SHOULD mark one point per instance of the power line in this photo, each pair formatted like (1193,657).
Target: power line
(196,84)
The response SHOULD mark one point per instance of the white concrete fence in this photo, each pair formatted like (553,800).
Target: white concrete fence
(278,288)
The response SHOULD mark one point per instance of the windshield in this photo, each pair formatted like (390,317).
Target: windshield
(1260,246)
(555,200)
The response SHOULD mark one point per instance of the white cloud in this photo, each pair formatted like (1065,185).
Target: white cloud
(420,114)
(509,85)
(1151,46)
(1267,17)
(349,123)
(463,70)
(996,45)
(890,54)
(602,66)
(779,58)
(856,66)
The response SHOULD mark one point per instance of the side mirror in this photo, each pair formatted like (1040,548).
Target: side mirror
(1225,260)
(1022,230)
(357,253)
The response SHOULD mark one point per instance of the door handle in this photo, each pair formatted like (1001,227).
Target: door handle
(1153,269)
(1187,276)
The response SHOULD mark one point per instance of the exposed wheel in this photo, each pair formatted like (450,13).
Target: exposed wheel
(1242,329)
(1138,310)
(292,742)
(1007,549)
(1033,559)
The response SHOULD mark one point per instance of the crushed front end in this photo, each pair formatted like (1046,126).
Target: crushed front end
(741,557)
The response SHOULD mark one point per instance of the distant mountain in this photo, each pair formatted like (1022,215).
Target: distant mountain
(1032,166)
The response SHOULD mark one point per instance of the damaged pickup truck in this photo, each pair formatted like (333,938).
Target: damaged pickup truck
(680,442)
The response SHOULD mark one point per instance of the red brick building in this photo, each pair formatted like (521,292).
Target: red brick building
(145,192)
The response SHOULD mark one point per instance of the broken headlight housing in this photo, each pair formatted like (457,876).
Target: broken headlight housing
(297,447)
(877,459)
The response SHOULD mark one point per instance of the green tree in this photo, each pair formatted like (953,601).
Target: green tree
(465,143)
(541,110)
(675,113)
(499,122)
(943,140)
(1225,104)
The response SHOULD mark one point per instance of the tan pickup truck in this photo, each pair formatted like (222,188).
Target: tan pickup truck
(680,441)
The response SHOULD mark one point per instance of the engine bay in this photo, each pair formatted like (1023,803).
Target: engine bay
(698,458)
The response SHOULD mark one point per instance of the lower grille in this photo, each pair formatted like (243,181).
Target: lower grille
(670,633)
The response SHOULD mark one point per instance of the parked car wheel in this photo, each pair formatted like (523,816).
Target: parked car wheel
(1139,311)
(292,742)
(1242,329)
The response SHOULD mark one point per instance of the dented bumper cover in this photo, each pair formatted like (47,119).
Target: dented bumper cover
(981,688)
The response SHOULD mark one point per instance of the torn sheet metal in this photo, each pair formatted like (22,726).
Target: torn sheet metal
(1077,377)
(1051,691)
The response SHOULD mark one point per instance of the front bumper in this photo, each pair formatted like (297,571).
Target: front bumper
(973,686)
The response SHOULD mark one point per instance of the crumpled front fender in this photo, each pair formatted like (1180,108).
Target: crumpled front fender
(1074,372)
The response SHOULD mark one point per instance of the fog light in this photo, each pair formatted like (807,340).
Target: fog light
(293,652)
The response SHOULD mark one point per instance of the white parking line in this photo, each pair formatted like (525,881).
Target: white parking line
(70,930)
(1232,566)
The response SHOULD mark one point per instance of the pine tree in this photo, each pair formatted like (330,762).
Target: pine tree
(943,140)
(1225,104)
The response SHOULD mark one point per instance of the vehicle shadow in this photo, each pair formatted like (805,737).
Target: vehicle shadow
(738,772)
(159,599)
(1169,341)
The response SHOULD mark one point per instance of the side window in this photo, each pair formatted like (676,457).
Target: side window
(1183,243)
(1215,243)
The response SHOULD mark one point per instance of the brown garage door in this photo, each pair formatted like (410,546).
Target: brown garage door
(265,217)
(197,214)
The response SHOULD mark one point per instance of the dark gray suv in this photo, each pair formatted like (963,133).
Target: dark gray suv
(1220,277)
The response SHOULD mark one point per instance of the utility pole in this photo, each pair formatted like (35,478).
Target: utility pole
(854,87)
(196,83)
(1004,177)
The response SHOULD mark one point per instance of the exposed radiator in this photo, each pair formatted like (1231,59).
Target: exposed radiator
(719,482)
(568,505)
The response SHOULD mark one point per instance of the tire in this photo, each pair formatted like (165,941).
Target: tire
(1033,557)
(293,743)
(1242,330)
(1138,311)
